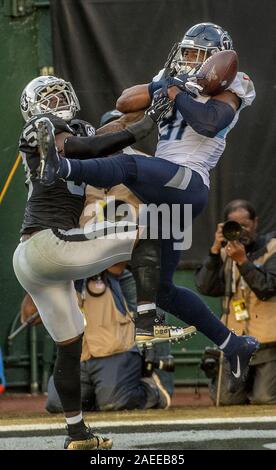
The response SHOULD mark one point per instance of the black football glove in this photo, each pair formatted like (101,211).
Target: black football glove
(28,138)
(159,108)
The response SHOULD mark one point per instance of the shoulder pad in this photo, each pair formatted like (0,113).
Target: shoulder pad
(243,87)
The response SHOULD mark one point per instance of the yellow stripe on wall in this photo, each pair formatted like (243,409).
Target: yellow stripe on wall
(9,178)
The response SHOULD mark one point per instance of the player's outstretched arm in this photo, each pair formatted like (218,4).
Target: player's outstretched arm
(98,145)
(136,98)
(121,123)
(206,118)
(109,139)
(101,145)
(106,144)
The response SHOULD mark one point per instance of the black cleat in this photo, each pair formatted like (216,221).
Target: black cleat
(239,362)
(49,158)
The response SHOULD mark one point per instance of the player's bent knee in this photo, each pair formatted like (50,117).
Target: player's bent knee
(69,341)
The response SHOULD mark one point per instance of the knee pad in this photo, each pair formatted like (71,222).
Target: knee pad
(145,266)
(67,375)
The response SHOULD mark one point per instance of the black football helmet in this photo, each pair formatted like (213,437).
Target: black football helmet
(207,37)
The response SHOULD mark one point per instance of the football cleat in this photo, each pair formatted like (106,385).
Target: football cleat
(49,158)
(163,333)
(239,362)
(88,441)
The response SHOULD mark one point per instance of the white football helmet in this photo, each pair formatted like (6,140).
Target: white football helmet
(48,94)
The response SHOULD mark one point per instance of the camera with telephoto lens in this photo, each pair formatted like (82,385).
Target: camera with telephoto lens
(233,231)
(210,362)
(153,361)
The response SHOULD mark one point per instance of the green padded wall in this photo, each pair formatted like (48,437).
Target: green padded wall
(25,49)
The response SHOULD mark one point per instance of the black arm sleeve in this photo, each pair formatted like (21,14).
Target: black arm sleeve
(97,145)
(106,144)
(209,277)
(261,279)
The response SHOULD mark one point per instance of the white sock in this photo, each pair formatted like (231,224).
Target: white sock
(146,307)
(74,419)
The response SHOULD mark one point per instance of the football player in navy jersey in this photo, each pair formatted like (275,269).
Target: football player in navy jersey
(192,139)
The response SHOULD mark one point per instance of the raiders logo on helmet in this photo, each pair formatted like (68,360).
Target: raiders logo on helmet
(24,103)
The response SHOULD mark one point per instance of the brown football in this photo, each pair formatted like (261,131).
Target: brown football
(217,73)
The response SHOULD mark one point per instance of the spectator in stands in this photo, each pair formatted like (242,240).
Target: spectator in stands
(253,300)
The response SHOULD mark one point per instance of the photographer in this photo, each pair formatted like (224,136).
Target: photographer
(113,375)
(252,261)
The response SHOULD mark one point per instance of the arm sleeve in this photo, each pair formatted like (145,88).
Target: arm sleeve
(261,279)
(106,144)
(209,277)
(205,118)
(97,146)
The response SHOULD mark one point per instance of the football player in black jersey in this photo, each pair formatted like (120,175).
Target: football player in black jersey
(53,250)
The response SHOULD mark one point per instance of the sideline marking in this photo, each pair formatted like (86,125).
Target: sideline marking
(271,445)
(154,440)
(114,424)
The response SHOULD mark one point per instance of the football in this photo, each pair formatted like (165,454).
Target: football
(218,72)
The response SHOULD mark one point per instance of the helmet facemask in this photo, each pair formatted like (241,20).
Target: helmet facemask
(58,99)
(187,65)
(49,95)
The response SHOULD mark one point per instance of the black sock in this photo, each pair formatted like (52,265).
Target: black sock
(146,319)
(67,375)
(77,429)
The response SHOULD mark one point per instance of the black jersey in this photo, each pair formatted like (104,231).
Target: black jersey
(57,206)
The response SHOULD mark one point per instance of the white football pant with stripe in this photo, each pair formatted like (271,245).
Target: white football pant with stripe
(48,262)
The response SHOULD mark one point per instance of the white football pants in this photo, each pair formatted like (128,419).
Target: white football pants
(48,262)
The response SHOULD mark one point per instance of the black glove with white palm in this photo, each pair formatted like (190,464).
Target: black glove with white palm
(159,108)
(153,115)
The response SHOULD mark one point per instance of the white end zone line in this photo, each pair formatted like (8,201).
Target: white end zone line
(115,424)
